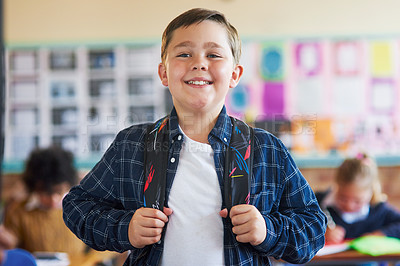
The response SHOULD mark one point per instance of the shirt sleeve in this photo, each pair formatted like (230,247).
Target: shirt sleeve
(295,223)
(94,210)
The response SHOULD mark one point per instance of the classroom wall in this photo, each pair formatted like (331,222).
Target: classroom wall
(44,21)
(55,21)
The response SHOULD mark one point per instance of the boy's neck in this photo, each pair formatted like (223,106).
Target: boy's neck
(197,126)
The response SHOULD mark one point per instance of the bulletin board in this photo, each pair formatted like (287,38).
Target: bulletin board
(339,95)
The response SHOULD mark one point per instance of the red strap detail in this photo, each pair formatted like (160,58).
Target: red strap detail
(149,178)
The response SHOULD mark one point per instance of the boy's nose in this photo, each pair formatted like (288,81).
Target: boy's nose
(200,68)
(199,64)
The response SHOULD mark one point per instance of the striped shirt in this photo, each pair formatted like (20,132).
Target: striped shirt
(100,208)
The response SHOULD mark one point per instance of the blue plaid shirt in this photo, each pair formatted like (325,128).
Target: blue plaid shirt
(99,209)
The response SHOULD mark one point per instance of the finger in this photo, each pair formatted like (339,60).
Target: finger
(154,213)
(167,211)
(240,209)
(144,241)
(223,213)
(240,219)
(151,232)
(240,229)
(246,238)
(151,223)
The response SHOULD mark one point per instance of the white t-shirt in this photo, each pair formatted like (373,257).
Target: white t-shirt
(194,234)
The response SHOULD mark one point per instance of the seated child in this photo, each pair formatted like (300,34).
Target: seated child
(356,205)
(199,64)
(36,222)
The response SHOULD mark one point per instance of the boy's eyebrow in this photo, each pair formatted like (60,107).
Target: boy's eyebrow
(212,45)
(191,44)
(184,44)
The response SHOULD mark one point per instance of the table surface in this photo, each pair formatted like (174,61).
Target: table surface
(94,257)
(352,255)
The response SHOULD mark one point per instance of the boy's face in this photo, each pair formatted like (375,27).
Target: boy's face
(199,68)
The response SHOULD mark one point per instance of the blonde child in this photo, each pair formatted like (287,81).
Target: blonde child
(200,63)
(356,205)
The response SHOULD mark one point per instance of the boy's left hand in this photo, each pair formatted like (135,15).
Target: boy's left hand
(248,224)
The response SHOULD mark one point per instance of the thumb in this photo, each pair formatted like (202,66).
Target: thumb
(167,211)
(223,213)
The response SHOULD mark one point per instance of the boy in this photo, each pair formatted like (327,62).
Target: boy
(200,63)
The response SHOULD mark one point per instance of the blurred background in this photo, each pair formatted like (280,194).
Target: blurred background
(324,76)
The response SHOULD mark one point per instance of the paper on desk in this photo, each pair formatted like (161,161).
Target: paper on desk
(333,248)
(376,245)
(51,258)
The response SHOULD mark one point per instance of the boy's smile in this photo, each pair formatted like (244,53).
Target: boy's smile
(199,68)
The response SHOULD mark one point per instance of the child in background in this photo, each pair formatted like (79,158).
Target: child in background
(356,206)
(200,62)
(37,222)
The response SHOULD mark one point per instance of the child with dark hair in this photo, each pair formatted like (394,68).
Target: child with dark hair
(37,222)
(356,205)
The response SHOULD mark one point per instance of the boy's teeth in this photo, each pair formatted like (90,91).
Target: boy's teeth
(198,82)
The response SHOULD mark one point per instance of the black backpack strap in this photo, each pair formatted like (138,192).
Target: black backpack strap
(155,163)
(237,171)
(238,164)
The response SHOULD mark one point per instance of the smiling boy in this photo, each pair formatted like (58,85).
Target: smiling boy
(200,62)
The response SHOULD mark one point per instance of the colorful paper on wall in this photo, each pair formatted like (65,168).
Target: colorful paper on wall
(273,99)
(381,59)
(324,138)
(303,131)
(272,62)
(347,56)
(383,96)
(239,99)
(348,96)
(308,58)
(310,98)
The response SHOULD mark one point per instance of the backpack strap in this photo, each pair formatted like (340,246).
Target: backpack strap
(155,163)
(238,164)
(237,171)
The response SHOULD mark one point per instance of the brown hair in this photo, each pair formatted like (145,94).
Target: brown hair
(361,170)
(197,15)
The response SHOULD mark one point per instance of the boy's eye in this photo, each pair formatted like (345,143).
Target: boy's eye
(213,56)
(183,55)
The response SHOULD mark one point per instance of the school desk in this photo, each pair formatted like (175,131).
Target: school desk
(95,257)
(352,256)
(345,258)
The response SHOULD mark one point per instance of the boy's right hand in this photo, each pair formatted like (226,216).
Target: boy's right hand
(335,235)
(146,226)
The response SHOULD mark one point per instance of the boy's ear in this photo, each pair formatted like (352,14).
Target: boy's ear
(162,73)
(236,75)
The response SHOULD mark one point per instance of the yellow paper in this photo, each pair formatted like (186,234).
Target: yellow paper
(382,65)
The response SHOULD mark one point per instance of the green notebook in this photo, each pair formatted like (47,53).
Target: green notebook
(376,245)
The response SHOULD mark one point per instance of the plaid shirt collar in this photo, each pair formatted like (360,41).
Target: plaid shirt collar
(221,131)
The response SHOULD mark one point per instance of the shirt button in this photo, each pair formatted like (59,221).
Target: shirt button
(225,140)
(179,137)
(172,160)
